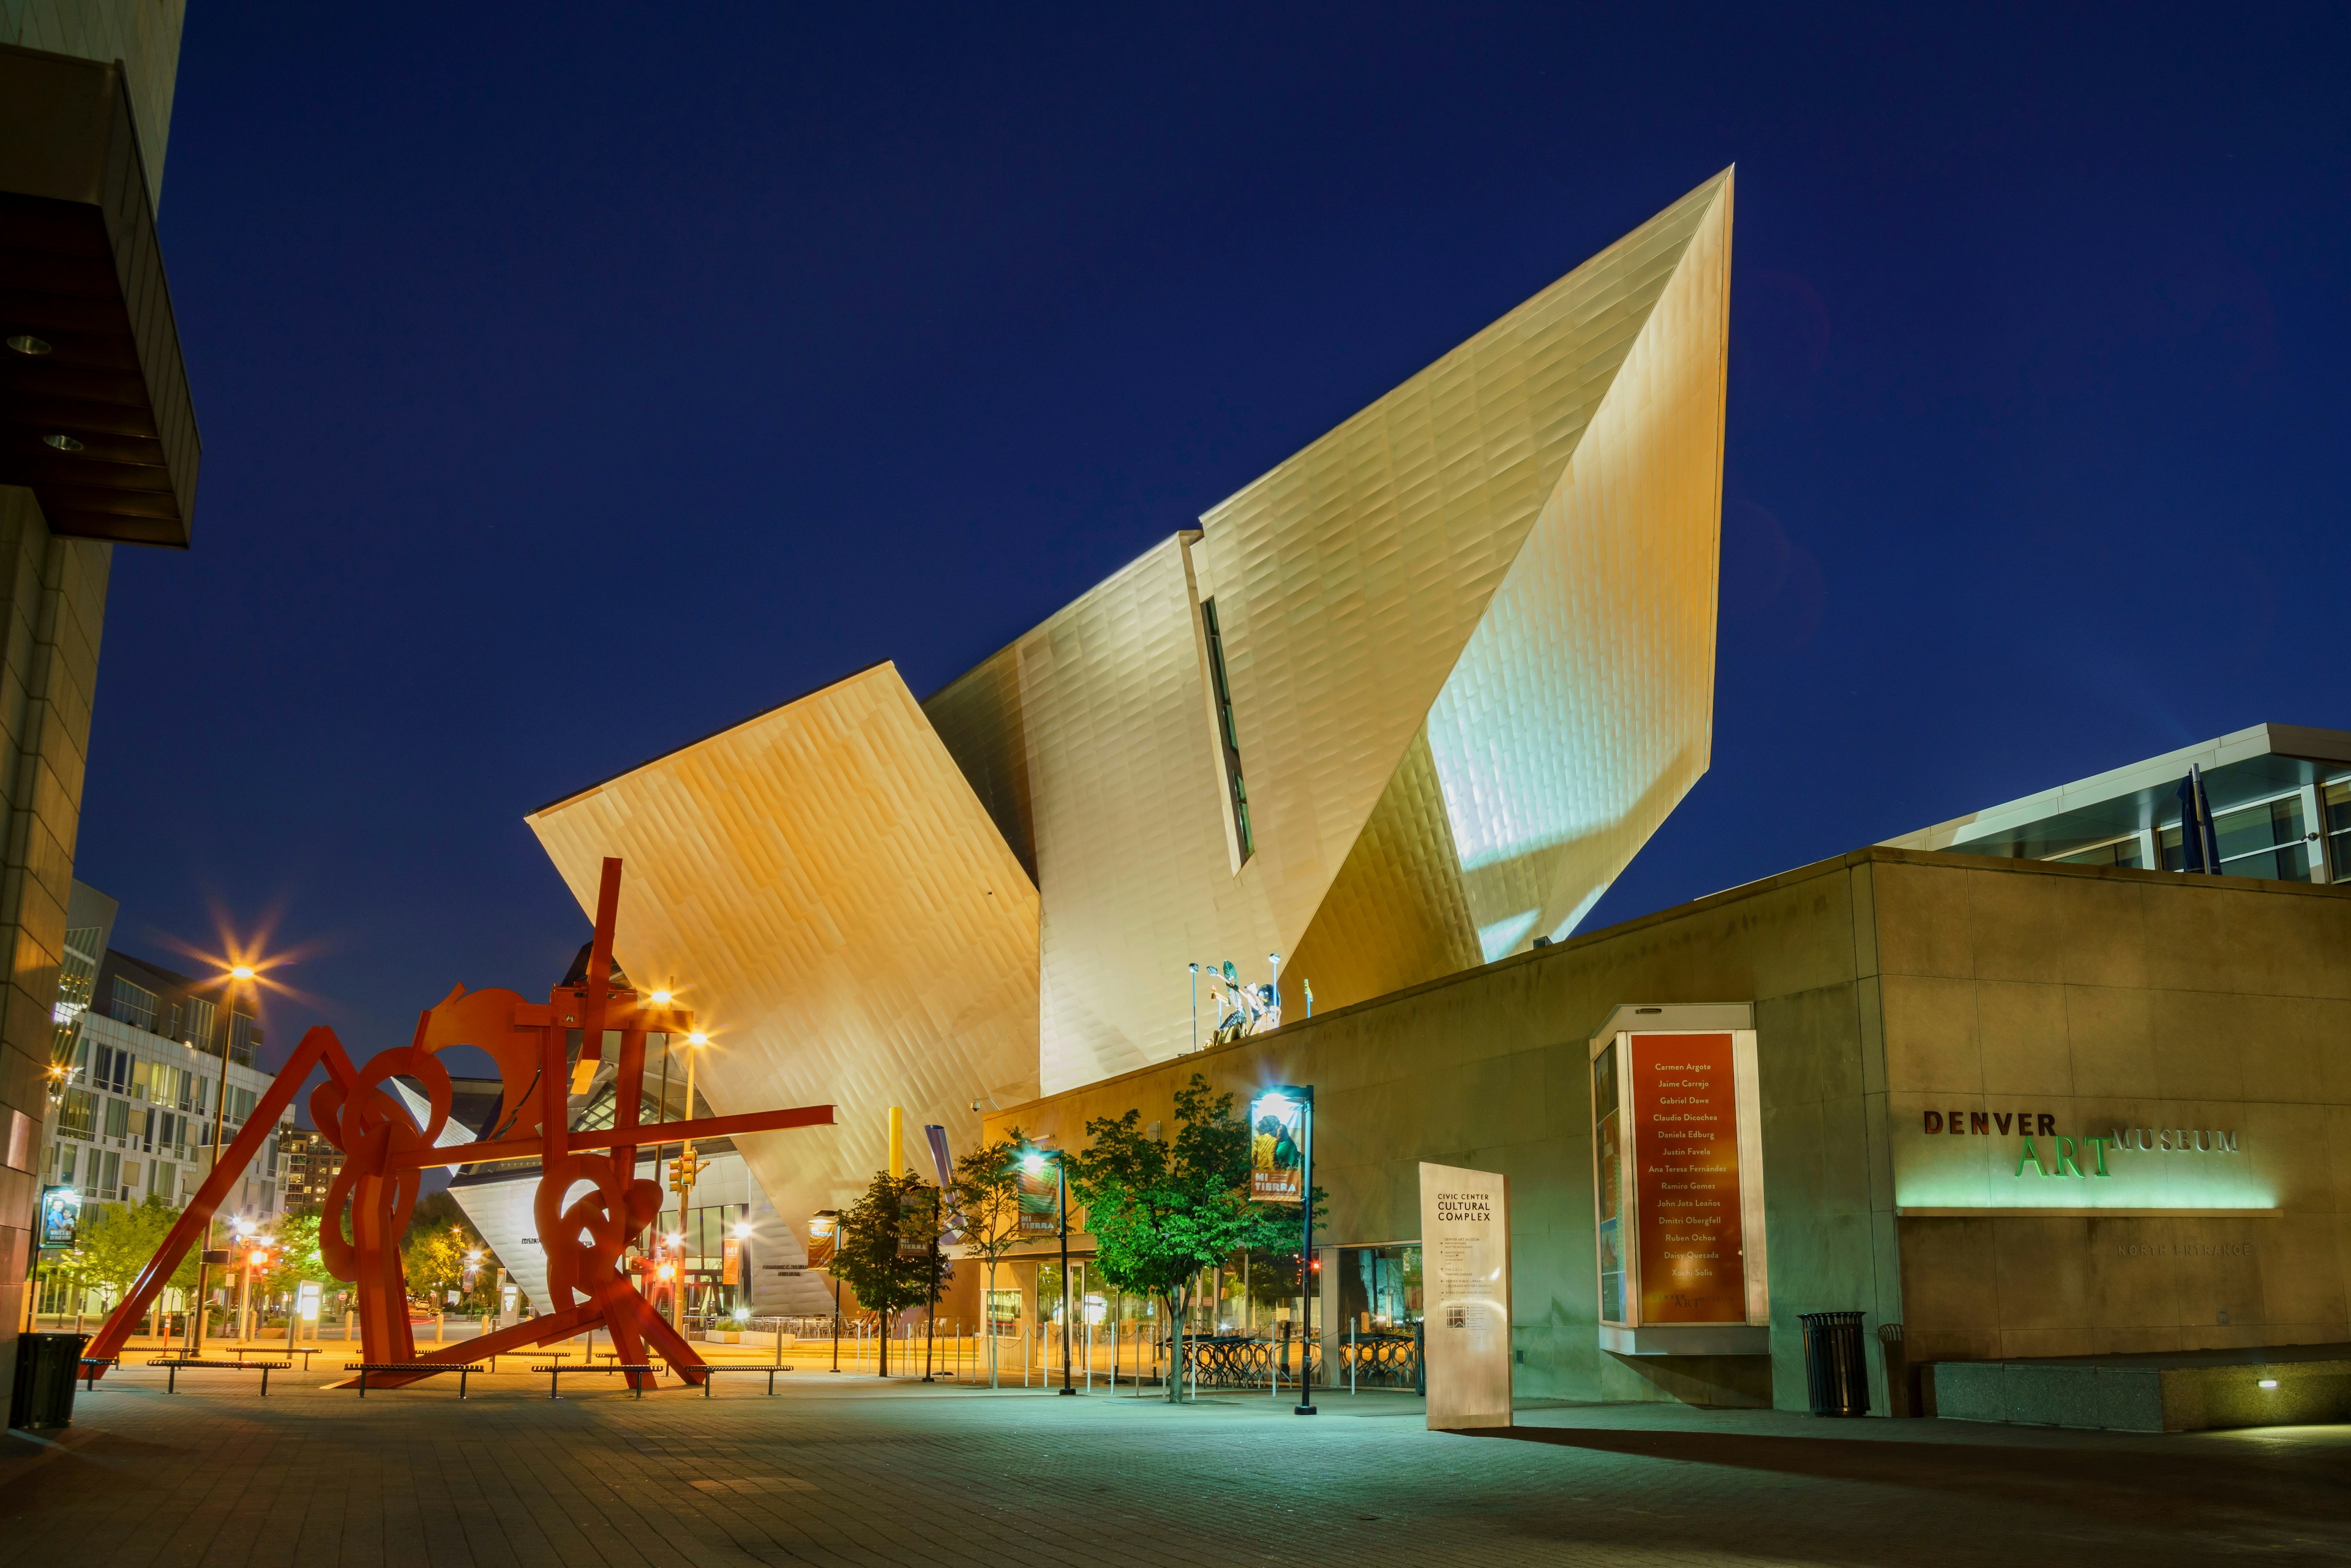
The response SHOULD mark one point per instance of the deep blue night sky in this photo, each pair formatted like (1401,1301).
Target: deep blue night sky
(575,380)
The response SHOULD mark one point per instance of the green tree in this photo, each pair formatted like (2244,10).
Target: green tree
(1160,1212)
(117,1240)
(985,1197)
(868,1259)
(294,1258)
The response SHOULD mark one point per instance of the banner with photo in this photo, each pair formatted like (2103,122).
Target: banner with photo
(1277,1148)
(822,1231)
(918,1222)
(60,1215)
(1040,1198)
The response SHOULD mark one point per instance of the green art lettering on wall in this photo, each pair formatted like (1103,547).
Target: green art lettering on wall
(2064,1152)
(2099,1146)
(2029,1153)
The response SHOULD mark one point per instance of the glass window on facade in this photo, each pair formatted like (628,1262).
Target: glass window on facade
(2336,804)
(134,1004)
(1228,730)
(2122,852)
(197,1024)
(1379,1289)
(2263,841)
(67,1156)
(78,1117)
(1610,1167)
(118,1118)
(242,1038)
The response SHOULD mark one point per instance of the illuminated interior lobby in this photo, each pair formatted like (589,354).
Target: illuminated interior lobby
(1398,712)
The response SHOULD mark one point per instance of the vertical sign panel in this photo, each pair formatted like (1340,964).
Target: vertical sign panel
(1464,1229)
(1685,1163)
(1608,1183)
(1276,1144)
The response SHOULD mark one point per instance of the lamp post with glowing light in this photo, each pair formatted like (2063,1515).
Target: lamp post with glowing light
(686,1172)
(238,975)
(1035,1160)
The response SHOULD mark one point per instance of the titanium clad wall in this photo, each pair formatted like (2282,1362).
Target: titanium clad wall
(1470,635)
(1115,760)
(1582,709)
(1350,578)
(821,887)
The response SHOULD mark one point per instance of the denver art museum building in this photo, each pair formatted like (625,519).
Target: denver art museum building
(1399,711)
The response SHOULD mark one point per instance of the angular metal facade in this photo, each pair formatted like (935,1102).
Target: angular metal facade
(820,887)
(1469,644)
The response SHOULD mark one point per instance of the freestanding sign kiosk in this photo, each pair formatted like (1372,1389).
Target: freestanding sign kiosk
(1677,1182)
(1464,1229)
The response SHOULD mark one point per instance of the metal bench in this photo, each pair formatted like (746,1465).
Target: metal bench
(463,1369)
(771,1370)
(555,1375)
(91,1365)
(181,1364)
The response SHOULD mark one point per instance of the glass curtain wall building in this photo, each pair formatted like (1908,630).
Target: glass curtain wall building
(2281,797)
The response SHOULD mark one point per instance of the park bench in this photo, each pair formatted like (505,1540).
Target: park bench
(708,1372)
(461,1368)
(555,1375)
(91,1365)
(179,1364)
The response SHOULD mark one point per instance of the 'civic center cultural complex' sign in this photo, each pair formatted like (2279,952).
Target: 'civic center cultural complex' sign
(1971,1154)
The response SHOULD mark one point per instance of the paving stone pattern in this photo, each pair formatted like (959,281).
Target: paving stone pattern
(846,1471)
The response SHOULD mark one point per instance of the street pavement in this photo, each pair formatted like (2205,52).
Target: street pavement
(847,1469)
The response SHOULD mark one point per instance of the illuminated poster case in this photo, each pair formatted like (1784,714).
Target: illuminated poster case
(1677,1182)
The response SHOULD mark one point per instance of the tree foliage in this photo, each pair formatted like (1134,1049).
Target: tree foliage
(116,1241)
(1160,1212)
(866,1255)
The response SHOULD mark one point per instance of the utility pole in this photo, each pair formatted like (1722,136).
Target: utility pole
(195,1339)
(1063,1171)
(1306,1258)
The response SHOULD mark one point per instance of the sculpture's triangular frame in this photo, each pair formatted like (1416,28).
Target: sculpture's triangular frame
(386,1153)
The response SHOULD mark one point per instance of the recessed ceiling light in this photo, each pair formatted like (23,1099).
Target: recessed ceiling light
(63,443)
(26,343)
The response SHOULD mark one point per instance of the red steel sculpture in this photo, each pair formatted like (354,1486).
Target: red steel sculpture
(386,1153)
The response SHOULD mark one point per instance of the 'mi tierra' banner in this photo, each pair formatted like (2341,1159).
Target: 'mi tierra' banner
(1975,1154)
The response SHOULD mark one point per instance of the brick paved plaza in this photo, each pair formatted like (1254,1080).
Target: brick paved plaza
(845,1470)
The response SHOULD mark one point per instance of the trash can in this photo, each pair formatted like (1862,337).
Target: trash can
(1836,1369)
(47,1365)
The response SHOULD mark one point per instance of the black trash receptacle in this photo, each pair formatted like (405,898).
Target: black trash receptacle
(1836,1368)
(47,1365)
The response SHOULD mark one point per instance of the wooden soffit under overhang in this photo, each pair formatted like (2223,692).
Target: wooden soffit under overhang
(100,425)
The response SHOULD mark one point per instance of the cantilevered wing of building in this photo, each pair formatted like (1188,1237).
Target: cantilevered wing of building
(1397,708)
(1407,703)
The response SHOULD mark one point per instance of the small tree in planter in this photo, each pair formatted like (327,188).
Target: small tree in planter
(1160,1212)
(986,1199)
(868,1257)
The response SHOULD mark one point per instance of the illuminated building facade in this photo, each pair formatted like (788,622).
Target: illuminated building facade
(1403,705)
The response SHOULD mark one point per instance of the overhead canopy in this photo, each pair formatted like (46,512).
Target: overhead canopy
(95,416)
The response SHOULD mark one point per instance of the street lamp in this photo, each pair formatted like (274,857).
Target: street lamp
(686,1172)
(826,1227)
(239,973)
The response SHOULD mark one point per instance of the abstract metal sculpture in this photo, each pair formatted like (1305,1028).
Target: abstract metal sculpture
(386,1153)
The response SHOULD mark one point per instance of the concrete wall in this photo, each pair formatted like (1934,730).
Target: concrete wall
(2124,998)
(2103,994)
(1490,1070)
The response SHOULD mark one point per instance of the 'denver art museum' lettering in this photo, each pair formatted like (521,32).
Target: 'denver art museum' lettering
(2075,1157)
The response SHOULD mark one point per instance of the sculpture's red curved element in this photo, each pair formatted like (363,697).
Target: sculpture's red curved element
(385,1148)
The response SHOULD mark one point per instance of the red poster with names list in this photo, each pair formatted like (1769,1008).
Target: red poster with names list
(1685,1178)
